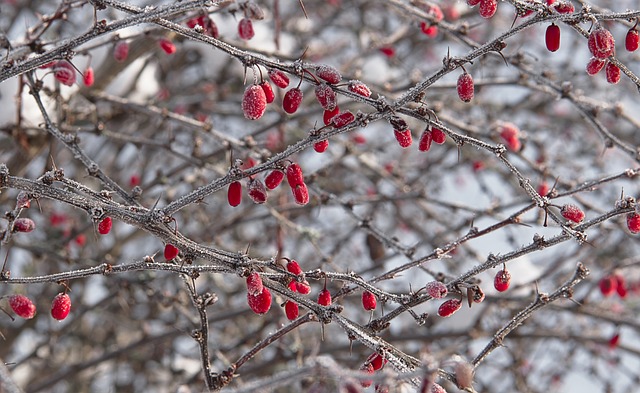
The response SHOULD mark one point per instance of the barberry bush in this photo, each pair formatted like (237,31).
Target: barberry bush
(244,196)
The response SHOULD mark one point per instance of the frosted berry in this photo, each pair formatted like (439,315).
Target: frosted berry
(376,360)
(22,306)
(292,310)
(572,213)
(254,284)
(301,194)
(64,72)
(608,285)
(254,102)
(369,301)
(632,40)
(326,97)
(170,251)
(268,91)
(595,65)
(563,7)
(425,140)
(613,73)
(356,86)
(257,191)
(292,100)
(245,29)
(121,51)
(88,77)
(510,134)
(473,3)
(329,74)
(274,179)
(294,175)
(303,287)
(328,115)
(488,8)
(261,303)
(428,29)
(552,37)
(324,297)
(279,78)
(404,138)
(343,119)
(438,135)
(60,306)
(502,280)
(601,42)
(633,222)
(234,194)
(207,25)
(321,146)
(23,225)
(167,46)
(449,307)
(436,289)
(104,226)
(293,267)
(465,87)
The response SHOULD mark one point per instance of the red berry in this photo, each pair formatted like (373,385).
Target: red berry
(301,194)
(621,285)
(329,74)
(608,285)
(279,78)
(257,191)
(22,306)
(465,87)
(292,286)
(595,65)
(436,289)
(326,97)
(343,119)
(104,226)
(511,136)
(254,102)
(268,91)
(376,360)
(473,3)
(324,297)
(207,24)
(328,115)
(292,100)
(552,37)
(449,307)
(502,280)
(425,140)
(60,306)
(303,287)
(632,40)
(292,310)
(601,43)
(167,46)
(614,340)
(274,179)
(387,50)
(563,7)
(477,166)
(121,51)
(428,29)
(438,136)
(368,369)
(321,146)
(572,213)
(88,77)
(543,188)
(294,175)
(80,240)
(432,9)
(633,222)
(170,252)
(64,72)
(293,267)
(356,86)
(254,284)
(245,29)
(260,303)
(488,8)
(23,225)
(234,194)
(404,138)
(613,73)
(369,301)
